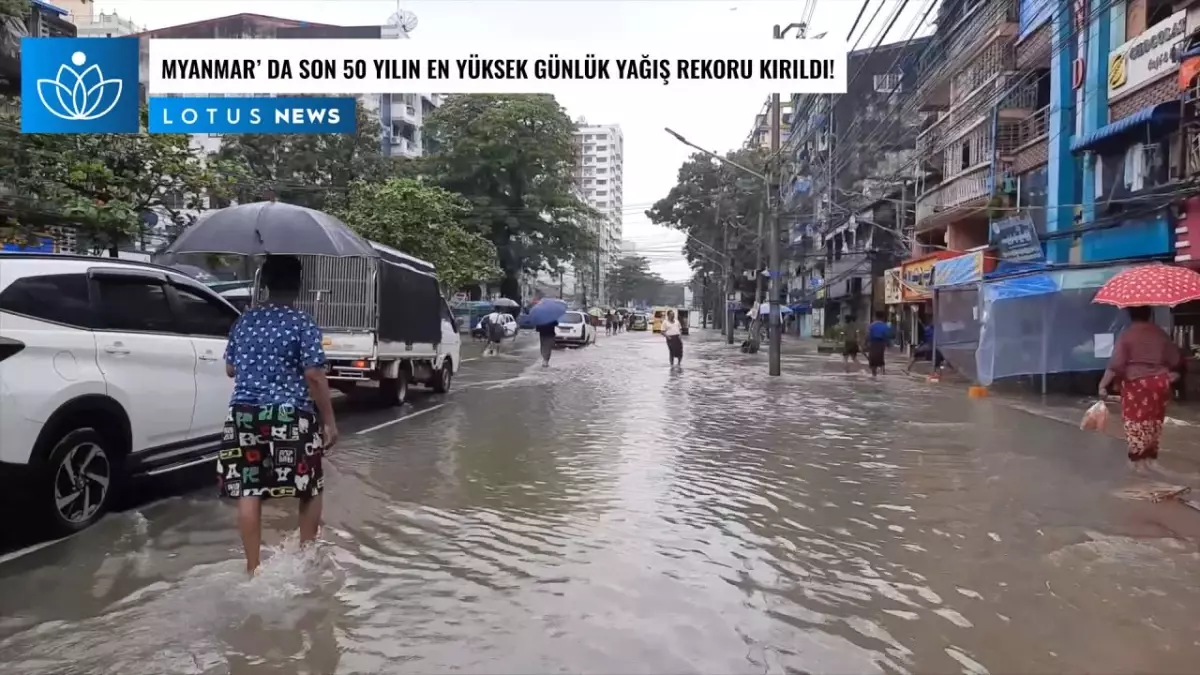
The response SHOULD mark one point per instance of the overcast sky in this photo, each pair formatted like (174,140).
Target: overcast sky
(652,158)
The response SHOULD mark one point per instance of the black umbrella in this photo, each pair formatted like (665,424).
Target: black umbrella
(271,228)
(505,302)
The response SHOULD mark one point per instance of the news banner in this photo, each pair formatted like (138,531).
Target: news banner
(98,85)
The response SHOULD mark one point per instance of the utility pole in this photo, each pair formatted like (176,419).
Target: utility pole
(728,272)
(772,197)
(758,253)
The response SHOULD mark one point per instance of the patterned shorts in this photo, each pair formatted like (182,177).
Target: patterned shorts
(270,451)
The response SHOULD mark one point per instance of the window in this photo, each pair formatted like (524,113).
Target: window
(61,298)
(601,193)
(447,314)
(589,181)
(888,83)
(602,148)
(601,159)
(599,171)
(602,181)
(134,304)
(202,315)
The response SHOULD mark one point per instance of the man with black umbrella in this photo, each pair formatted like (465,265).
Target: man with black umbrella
(272,447)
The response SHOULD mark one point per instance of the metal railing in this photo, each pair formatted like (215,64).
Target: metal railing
(953,192)
(1036,126)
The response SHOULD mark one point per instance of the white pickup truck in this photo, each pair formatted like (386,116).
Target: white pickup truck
(383,319)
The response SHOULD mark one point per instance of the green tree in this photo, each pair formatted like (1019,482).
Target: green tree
(313,170)
(631,280)
(708,198)
(512,156)
(423,221)
(100,183)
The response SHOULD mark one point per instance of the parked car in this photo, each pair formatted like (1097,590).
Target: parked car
(510,327)
(574,328)
(640,322)
(108,368)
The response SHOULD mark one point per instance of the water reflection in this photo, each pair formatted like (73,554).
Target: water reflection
(609,514)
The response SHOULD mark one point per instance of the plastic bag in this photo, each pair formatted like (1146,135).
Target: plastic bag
(1095,418)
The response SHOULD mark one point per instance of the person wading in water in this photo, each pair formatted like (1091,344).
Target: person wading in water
(1147,362)
(879,333)
(671,330)
(546,341)
(271,446)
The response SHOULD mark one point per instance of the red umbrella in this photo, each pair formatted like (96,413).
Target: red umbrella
(1153,285)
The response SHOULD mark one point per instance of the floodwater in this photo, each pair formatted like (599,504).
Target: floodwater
(608,514)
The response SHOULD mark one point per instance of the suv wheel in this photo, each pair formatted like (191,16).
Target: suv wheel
(80,477)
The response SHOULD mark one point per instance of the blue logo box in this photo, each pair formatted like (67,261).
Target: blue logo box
(249,115)
(79,85)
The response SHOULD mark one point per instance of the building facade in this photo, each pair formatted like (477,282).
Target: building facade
(849,188)
(1062,153)
(599,175)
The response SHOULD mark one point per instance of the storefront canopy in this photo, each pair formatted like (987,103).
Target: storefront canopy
(1118,133)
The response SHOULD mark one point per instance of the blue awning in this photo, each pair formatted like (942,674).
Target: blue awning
(50,8)
(1118,132)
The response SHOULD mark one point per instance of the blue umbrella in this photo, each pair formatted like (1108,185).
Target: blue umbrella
(547,311)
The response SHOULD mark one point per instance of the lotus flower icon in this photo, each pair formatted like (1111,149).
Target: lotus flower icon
(78,96)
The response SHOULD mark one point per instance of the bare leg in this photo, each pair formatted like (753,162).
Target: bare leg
(250,527)
(310,518)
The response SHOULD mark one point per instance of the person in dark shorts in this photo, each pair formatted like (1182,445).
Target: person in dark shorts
(850,342)
(273,442)
(546,333)
(879,333)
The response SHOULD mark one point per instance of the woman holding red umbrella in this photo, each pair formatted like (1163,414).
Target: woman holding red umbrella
(1145,359)
(1147,362)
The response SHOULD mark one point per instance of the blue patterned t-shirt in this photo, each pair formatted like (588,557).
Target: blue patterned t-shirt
(270,348)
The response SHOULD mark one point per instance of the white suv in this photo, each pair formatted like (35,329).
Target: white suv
(108,368)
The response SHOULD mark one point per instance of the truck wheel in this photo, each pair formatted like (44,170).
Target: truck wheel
(441,382)
(395,392)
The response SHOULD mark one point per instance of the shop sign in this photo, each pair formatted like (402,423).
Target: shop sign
(1146,57)
(891,287)
(965,269)
(916,277)
(1017,240)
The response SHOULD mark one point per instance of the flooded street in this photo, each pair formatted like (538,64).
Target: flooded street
(608,514)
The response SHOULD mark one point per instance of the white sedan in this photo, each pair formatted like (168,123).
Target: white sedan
(574,328)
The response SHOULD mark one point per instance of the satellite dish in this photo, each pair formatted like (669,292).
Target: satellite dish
(404,20)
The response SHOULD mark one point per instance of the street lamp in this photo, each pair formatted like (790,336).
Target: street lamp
(723,160)
(773,241)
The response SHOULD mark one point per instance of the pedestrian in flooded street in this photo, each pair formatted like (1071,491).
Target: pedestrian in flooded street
(672,331)
(546,333)
(879,333)
(1147,362)
(850,343)
(272,447)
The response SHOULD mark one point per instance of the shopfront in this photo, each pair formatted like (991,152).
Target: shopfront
(916,291)
(956,284)
(893,300)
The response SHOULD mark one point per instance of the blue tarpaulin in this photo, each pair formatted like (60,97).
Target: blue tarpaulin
(1020,287)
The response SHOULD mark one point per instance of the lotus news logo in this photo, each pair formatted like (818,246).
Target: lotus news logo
(79,96)
(79,85)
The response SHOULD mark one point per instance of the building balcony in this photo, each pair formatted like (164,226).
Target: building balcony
(963,192)
(1017,101)
(987,22)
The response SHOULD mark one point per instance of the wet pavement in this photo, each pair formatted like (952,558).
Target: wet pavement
(609,514)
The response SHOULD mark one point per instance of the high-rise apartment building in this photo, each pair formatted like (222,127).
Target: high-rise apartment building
(599,175)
